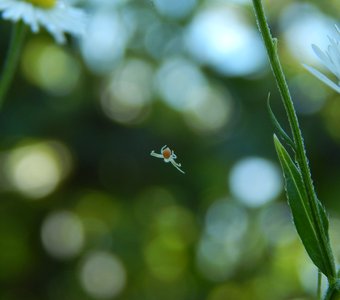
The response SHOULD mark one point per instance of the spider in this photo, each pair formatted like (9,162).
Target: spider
(169,156)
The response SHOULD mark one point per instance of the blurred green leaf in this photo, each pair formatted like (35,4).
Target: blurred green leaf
(283,135)
(302,214)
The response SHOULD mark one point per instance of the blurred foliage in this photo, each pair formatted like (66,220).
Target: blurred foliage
(87,213)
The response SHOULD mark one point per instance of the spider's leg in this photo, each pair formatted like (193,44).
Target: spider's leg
(163,148)
(176,166)
(176,163)
(153,153)
(174,156)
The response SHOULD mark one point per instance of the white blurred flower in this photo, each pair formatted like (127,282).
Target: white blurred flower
(55,15)
(331,60)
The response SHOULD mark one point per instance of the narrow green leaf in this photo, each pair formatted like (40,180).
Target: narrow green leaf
(302,215)
(333,291)
(324,217)
(283,135)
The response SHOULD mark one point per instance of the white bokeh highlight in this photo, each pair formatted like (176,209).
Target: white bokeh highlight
(221,38)
(128,92)
(177,81)
(105,42)
(255,181)
(220,247)
(175,8)
(303,25)
(36,169)
(102,275)
(62,234)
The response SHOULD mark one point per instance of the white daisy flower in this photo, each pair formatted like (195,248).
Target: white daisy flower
(331,60)
(55,15)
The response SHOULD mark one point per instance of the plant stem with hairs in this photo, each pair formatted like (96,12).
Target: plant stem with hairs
(309,215)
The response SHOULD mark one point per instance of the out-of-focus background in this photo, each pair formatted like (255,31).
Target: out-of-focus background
(87,213)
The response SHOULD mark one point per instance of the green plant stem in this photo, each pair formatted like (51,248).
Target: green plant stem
(318,292)
(333,291)
(12,59)
(271,46)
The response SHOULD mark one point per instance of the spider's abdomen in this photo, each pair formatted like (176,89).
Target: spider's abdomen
(166,153)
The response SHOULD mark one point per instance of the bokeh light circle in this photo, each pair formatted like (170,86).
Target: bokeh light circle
(128,92)
(62,234)
(226,221)
(209,109)
(166,258)
(105,41)
(275,222)
(50,67)
(177,79)
(303,25)
(254,181)
(220,37)
(103,275)
(36,169)
(220,246)
(175,8)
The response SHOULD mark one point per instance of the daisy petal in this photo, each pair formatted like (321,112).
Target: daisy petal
(323,57)
(334,54)
(331,60)
(57,20)
(323,78)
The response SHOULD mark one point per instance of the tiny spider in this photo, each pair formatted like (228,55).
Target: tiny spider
(169,156)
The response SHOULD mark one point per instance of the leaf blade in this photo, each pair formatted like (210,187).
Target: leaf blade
(301,211)
(283,135)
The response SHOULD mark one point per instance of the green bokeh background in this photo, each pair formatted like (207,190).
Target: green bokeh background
(64,157)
